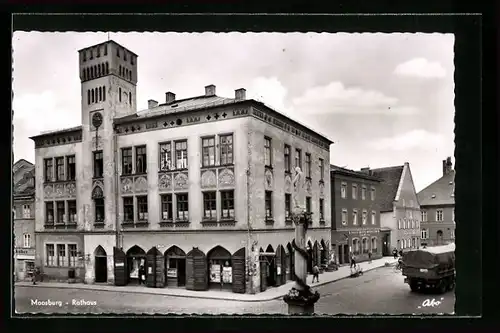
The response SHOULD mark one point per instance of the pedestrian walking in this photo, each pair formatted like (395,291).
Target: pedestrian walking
(353,260)
(370,257)
(315,273)
(395,253)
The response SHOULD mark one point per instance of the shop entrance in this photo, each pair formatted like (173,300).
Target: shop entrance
(136,257)
(175,267)
(100,265)
(323,254)
(219,268)
(271,272)
(386,245)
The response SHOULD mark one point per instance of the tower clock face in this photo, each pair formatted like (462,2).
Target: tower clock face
(97,120)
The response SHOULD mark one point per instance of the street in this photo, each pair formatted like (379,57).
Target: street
(380,291)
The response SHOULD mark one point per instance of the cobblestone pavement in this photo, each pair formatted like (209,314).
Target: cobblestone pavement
(380,291)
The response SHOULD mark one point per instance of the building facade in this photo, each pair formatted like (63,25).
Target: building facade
(355,215)
(437,204)
(24,219)
(399,208)
(197,190)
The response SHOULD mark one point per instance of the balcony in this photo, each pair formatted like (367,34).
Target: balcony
(134,225)
(60,225)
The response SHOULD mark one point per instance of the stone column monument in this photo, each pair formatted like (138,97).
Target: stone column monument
(300,298)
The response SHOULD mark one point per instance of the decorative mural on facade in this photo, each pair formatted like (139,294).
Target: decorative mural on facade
(141,184)
(165,182)
(208,179)
(308,186)
(181,181)
(71,190)
(48,190)
(126,185)
(226,177)
(59,190)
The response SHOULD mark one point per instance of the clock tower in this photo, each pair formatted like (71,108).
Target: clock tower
(108,74)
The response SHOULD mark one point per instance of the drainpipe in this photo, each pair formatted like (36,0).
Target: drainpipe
(117,178)
(249,207)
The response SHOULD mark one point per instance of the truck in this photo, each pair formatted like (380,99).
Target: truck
(430,268)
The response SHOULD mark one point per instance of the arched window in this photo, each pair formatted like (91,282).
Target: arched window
(105,49)
(364,243)
(132,59)
(124,55)
(100,94)
(103,93)
(120,70)
(374,244)
(95,71)
(107,68)
(425,234)
(130,98)
(99,70)
(88,96)
(98,51)
(27,240)
(93,96)
(88,73)
(120,94)
(83,74)
(91,72)
(355,246)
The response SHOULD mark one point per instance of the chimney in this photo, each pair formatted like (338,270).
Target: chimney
(169,97)
(240,94)
(152,103)
(210,90)
(366,171)
(447,166)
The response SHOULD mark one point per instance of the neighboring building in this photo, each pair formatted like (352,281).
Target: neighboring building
(355,214)
(193,188)
(399,208)
(24,218)
(437,204)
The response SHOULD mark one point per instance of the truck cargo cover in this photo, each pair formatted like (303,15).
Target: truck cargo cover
(431,257)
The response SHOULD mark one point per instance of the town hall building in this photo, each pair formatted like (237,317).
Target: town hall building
(197,190)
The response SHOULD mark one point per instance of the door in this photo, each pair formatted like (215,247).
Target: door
(238,271)
(120,269)
(346,254)
(101,269)
(439,237)
(263,275)
(196,270)
(181,272)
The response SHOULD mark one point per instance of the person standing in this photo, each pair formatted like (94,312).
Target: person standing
(315,273)
(353,260)
(395,253)
(370,256)
(142,273)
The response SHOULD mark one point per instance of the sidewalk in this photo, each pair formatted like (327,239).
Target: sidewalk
(268,295)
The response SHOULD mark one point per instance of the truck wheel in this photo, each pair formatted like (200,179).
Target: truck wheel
(442,286)
(451,284)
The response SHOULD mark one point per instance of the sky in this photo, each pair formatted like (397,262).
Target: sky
(384,99)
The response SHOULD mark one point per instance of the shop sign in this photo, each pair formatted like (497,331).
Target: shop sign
(215,273)
(227,275)
(363,232)
(172,272)
(24,251)
(119,264)
(278,269)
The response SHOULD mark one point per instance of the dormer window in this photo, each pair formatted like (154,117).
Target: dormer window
(98,51)
(118,52)
(433,196)
(124,55)
(132,59)
(106,49)
(84,54)
(91,54)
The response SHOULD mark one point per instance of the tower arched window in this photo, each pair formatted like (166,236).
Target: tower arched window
(99,70)
(130,98)
(100,94)
(88,96)
(83,74)
(103,93)
(93,96)
(91,72)
(107,68)
(120,94)
(132,59)
(95,70)
(98,51)
(88,73)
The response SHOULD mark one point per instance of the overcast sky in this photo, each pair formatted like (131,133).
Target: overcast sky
(384,99)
